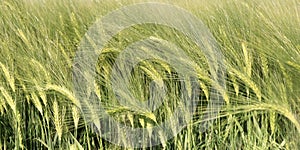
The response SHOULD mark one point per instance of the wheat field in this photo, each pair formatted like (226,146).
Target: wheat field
(259,40)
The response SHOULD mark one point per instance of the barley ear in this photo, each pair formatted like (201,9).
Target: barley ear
(64,91)
(76,116)
(57,119)
(9,100)
(10,79)
(37,103)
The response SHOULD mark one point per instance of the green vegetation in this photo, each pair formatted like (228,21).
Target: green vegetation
(259,40)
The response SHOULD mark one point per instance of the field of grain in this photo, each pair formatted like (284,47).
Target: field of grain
(259,89)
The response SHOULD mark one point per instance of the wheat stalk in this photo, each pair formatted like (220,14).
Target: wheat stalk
(17,117)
